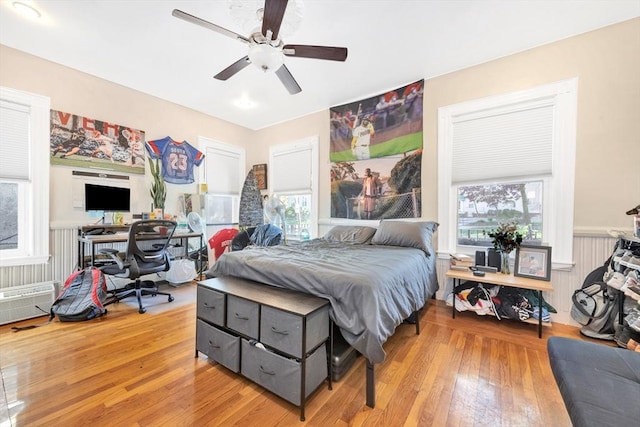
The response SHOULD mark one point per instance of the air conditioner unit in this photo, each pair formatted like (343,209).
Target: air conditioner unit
(22,302)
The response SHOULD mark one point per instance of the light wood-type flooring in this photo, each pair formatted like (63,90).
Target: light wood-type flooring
(130,369)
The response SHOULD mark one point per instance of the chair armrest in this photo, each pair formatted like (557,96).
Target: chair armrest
(113,254)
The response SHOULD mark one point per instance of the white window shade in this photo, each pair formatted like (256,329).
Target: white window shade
(223,171)
(292,171)
(507,144)
(15,148)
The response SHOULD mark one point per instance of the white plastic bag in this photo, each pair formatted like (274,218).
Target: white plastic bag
(181,271)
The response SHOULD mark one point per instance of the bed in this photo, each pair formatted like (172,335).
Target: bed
(373,278)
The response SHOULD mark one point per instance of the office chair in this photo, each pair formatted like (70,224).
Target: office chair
(139,261)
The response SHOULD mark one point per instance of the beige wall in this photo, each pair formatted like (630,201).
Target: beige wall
(606,62)
(79,93)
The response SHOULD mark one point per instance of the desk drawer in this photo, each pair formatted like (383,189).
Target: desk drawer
(242,316)
(210,305)
(281,375)
(283,330)
(218,345)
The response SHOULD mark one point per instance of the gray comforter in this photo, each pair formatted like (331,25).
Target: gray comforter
(371,288)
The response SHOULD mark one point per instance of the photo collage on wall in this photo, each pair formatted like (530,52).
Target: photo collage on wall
(82,142)
(376,155)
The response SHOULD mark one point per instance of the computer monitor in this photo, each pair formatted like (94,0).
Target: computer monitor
(104,198)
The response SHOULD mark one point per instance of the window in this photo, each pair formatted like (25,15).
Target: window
(509,158)
(293,174)
(24,178)
(223,174)
(482,207)
(297,215)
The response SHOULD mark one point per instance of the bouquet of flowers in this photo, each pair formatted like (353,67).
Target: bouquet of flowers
(506,237)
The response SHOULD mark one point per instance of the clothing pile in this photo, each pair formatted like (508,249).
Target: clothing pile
(500,301)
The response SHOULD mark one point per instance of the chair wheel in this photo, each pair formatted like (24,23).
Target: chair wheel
(171,298)
(142,310)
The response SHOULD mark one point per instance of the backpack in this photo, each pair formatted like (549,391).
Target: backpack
(595,306)
(82,297)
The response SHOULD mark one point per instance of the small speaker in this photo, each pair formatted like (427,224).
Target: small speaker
(487,269)
(493,258)
(480,258)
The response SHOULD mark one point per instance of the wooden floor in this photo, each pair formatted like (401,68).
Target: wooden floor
(130,369)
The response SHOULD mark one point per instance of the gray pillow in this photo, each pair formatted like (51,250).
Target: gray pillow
(405,233)
(350,234)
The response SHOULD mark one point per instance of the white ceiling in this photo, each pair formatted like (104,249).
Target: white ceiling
(139,44)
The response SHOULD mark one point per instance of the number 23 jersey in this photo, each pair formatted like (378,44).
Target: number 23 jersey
(178,159)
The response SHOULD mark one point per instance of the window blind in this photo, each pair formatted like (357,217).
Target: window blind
(498,145)
(15,149)
(292,171)
(222,175)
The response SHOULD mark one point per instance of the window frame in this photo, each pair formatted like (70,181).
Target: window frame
(33,209)
(558,211)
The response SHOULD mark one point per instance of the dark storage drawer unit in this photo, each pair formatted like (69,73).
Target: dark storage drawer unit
(276,337)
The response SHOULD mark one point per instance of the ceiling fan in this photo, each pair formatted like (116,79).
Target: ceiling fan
(266,49)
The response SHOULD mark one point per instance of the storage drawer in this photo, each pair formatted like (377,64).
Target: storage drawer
(210,305)
(218,345)
(283,330)
(242,316)
(281,375)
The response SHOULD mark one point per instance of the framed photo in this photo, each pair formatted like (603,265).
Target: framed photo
(260,171)
(533,262)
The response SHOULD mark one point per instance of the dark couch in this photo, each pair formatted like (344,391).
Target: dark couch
(600,385)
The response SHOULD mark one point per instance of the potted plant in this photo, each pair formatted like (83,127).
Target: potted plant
(159,188)
(506,238)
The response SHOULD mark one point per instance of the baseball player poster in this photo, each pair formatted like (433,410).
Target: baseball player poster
(376,155)
(82,142)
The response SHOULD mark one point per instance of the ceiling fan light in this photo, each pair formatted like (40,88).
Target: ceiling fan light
(266,57)
(26,10)
(248,14)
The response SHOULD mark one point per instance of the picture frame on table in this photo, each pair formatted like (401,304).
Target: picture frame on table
(533,262)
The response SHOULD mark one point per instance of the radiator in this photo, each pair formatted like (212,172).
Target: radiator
(19,302)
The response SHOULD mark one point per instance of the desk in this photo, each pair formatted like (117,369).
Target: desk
(502,280)
(120,236)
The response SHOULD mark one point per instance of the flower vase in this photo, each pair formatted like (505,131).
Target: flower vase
(504,268)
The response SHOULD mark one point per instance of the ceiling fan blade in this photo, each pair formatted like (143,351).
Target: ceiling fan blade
(208,25)
(232,69)
(272,18)
(287,80)
(318,52)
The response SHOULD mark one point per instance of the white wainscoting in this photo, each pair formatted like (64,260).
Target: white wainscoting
(589,252)
(64,252)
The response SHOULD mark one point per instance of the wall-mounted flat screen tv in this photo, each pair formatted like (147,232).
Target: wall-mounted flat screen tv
(103,198)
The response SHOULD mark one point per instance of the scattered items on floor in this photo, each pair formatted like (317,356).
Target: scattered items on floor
(499,301)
